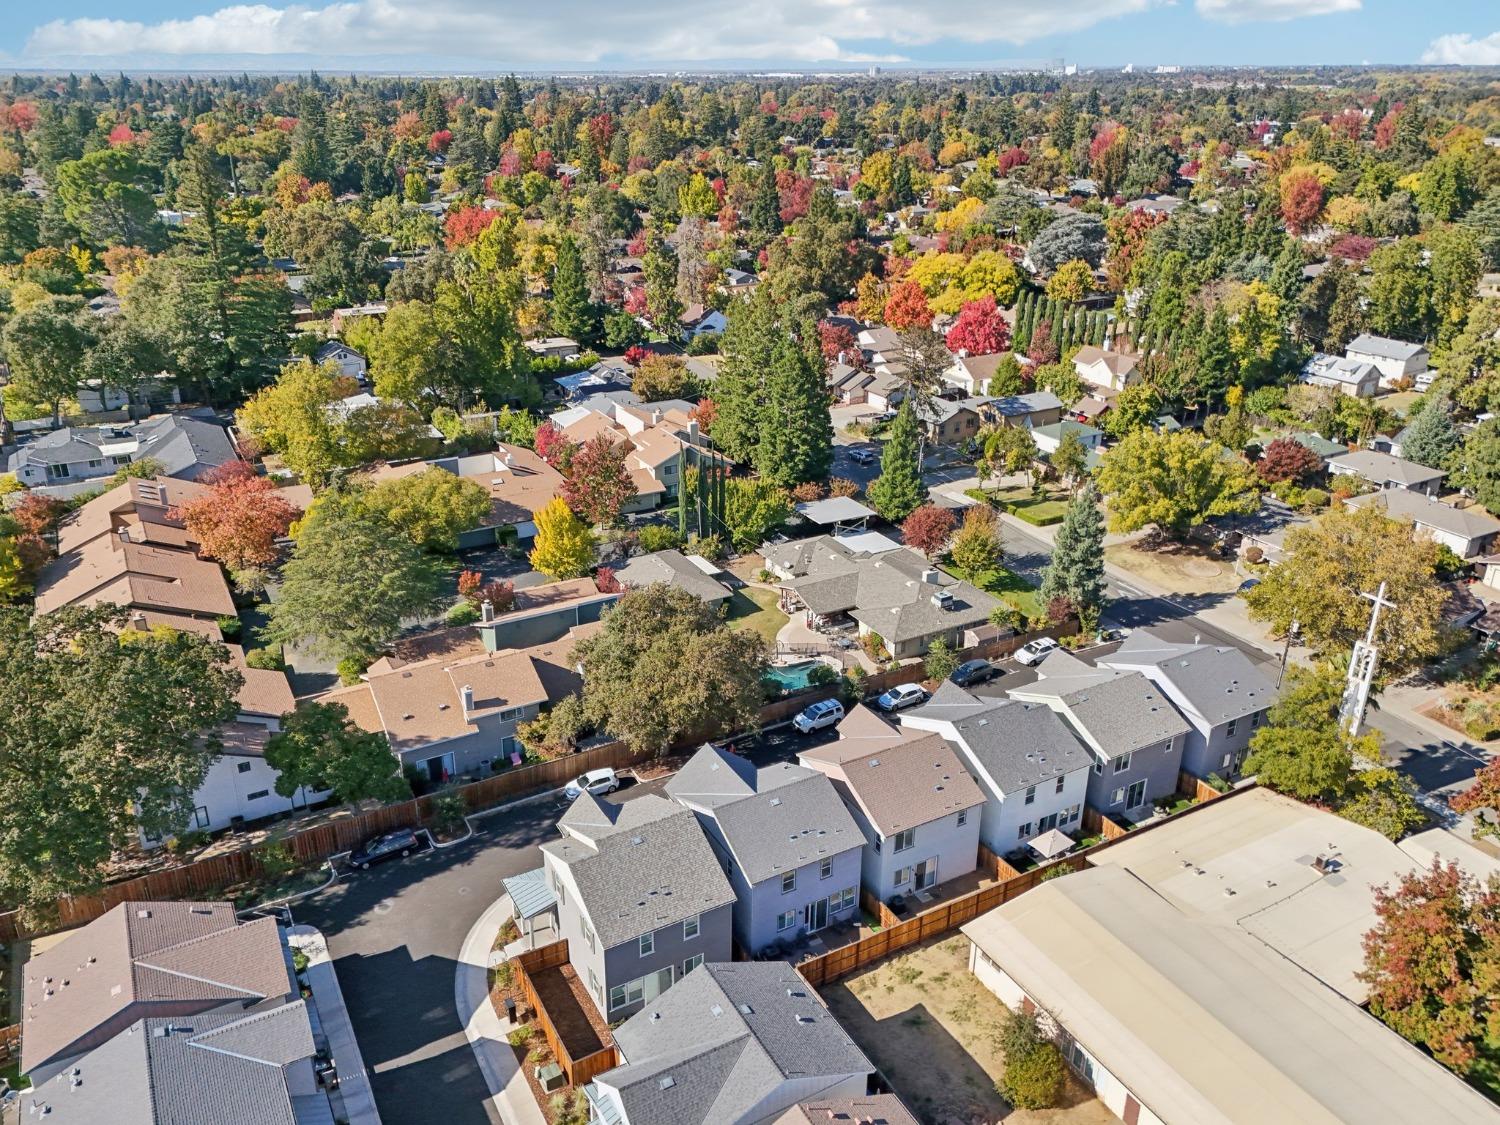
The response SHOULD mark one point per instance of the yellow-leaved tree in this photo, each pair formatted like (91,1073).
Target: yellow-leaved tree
(564,546)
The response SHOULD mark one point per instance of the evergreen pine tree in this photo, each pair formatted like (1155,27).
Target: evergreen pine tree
(1431,440)
(573,314)
(1076,571)
(1216,366)
(796,443)
(765,208)
(899,491)
(739,391)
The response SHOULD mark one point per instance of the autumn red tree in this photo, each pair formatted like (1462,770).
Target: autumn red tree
(607,581)
(705,414)
(837,340)
(980,329)
(1011,159)
(553,446)
(598,483)
(1287,459)
(1043,347)
(1301,199)
(476,591)
(37,515)
(928,528)
(464,225)
(907,307)
(238,519)
(440,141)
(1432,962)
(637,354)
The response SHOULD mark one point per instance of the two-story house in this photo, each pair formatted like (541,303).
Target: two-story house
(1223,696)
(641,900)
(792,851)
(912,798)
(61,463)
(733,1044)
(1135,734)
(1395,359)
(1032,771)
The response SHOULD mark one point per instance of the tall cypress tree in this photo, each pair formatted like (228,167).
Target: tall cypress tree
(796,443)
(1076,571)
(739,391)
(765,208)
(573,314)
(899,491)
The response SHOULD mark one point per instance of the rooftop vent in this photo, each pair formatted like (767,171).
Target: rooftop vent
(138,914)
(667,1083)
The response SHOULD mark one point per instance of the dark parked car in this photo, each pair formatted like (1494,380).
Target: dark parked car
(975,672)
(389,845)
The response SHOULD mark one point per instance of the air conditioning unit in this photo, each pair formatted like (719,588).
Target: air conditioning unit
(943,599)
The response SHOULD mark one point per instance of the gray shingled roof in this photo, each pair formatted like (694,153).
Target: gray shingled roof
(673,568)
(1384,346)
(1017,744)
(184,446)
(225,1068)
(1127,712)
(1381,468)
(653,870)
(1217,681)
(721,1040)
(1400,503)
(791,817)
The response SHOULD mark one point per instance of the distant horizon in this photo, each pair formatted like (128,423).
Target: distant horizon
(444,37)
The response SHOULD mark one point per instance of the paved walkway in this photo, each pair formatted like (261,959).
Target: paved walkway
(354,1081)
(487,1030)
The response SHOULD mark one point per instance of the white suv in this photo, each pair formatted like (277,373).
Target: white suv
(1036,651)
(818,716)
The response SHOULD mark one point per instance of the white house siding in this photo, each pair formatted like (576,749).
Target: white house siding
(954,847)
(1002,820)
(1107,1088)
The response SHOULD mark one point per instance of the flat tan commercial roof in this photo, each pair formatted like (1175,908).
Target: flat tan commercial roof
(1202,1022)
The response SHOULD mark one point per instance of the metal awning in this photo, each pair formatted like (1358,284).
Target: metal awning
(530,893)
(1050,844)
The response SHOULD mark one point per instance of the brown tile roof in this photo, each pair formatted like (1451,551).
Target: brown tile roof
(360,703)
(244,740)
(107,569)
(144,619)
(141,959)
(553,594)
(264,691)
(139,505)
(591,425)
(908,784)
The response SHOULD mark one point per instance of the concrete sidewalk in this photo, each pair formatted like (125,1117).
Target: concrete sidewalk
(354,1081)
(487,1031)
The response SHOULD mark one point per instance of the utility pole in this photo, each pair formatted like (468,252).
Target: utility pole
(1362,663)
(1286,650)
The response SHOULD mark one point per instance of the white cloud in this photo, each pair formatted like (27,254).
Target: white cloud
(569,31)
(1258,11)
(1464,50)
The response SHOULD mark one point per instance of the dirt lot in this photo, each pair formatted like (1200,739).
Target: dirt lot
(931,1029)
(1180,570)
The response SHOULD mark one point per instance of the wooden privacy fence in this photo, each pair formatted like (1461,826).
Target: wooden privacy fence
(897,935)
(1096,821)
(10,1042)
(212,874)
(554,956)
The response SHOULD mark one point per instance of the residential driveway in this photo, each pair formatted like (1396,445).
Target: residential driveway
(394,933)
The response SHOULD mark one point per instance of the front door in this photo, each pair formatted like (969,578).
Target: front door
(656,983)
(1135,795)
(816,915)
(925,874)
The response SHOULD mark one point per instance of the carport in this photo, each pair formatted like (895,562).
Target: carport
(531,895)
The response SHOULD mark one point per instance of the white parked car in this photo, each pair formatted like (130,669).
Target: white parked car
(597,782)
(1036,651)
(818,716)
(901,696)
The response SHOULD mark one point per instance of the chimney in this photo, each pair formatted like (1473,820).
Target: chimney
(510,460)
(138,619)
(692,431)
(487,612)
(468,697)
(930,576)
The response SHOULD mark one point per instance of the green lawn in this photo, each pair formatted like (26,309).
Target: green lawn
(1023,503)
(755,609)
(1005,584)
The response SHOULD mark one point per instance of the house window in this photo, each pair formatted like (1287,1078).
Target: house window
(1099,767)
(1117,796)
(257,795)
(243,767)
(906,838)
(1227,759)
(788,882)
(594,984)
(623,995)
(1024,831)
(825,867)
(1122,763)
(1061,778)
(57,472)
(509,713)
(844,900)
(1135,796)
(1073,811)
(901,877)
(648,944)
(1255,719)
(963,817)
(786,921)
(1229,730)
(588,934)
(691,927)
(1031,795)
(692,963)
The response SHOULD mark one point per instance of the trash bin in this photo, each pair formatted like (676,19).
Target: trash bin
(510,1009)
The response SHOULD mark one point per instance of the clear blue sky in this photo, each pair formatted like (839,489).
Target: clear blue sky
(498,34)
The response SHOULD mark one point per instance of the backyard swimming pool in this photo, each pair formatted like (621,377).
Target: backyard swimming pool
(792,677)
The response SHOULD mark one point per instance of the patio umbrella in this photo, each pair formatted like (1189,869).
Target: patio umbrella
(1050,844)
